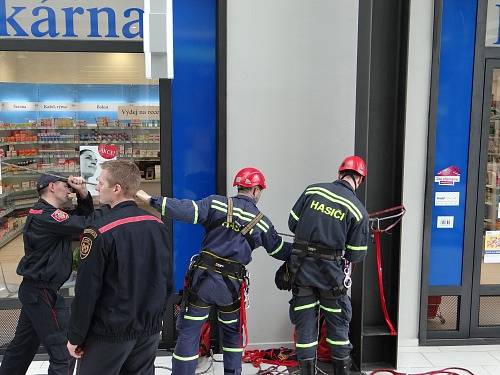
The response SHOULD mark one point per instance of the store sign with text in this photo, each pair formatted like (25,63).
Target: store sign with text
(493,24)
(140,111)
(135,112)
(69,19)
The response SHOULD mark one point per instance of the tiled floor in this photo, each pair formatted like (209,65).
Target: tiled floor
(480,360)
(37,368)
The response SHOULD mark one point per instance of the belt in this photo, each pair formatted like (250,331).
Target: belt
(226,267)
(316,251)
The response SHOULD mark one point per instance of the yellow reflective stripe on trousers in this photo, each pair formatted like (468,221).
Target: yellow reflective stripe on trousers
(336,199)
(181,358)
(232,350)
(279,248)
(195,221)
(294,215)
(356,248)
(227,321)
(163,204)
(308,306)
(330,309)
(190,317)
(308,345)
(337,342)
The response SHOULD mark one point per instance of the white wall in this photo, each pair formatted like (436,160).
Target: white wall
(417,111)
(291,112)
(75,67)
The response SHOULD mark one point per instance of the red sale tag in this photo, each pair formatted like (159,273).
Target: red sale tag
(107,151)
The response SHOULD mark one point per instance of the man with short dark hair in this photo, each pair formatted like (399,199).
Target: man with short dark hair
(46,265)
(123,281)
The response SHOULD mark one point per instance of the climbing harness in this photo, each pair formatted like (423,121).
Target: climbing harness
(230,270)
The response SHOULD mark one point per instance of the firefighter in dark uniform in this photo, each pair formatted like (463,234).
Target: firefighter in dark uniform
(123,282)
(331,230)
(234,228)
(45,266)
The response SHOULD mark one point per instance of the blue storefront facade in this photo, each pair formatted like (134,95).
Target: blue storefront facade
(459,287)
(186,152)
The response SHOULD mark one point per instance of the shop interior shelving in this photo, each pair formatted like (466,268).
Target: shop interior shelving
(56,148)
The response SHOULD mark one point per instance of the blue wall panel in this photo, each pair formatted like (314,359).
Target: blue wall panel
(452,135)
(193,118)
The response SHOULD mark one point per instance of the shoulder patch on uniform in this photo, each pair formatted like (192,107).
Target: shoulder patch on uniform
(85,246)
(90,232)
(59,215)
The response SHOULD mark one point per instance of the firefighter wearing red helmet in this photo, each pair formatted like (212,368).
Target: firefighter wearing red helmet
(331,231)
(234,227)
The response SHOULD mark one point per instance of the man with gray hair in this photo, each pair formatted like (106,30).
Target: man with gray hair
(123,282)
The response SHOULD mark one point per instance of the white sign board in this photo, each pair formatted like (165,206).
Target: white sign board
(492,246)
(76,107)
(135,112)
(447,198)
(493,24)
(445,222)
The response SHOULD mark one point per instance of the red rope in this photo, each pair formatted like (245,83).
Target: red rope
(276,357)
(383,303)
(243,313)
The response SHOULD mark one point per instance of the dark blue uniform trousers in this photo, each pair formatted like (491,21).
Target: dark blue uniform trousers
(190,321)
(135,356)
(304,315)
(43,319)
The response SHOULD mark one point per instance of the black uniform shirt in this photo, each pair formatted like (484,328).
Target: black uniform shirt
(329,214)
(47,237)
(124,277)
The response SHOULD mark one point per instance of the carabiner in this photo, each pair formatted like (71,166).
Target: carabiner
(347,274)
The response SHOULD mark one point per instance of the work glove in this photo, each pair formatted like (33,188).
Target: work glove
(283,278)
(143,196)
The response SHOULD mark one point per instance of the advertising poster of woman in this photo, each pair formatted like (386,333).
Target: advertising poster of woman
(91,158)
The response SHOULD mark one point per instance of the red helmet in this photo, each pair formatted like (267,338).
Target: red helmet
(353,163)
(250,177)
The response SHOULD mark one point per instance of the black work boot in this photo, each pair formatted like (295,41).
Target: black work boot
(341,366)
(307,367)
